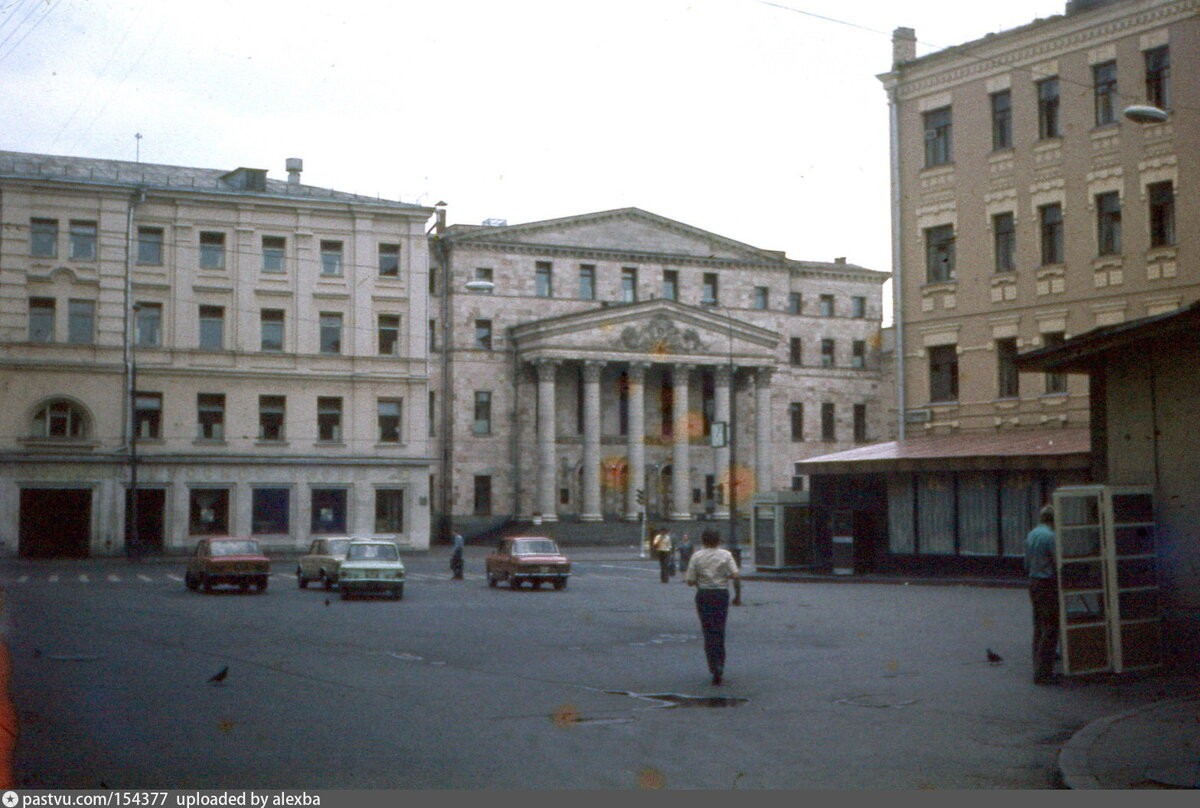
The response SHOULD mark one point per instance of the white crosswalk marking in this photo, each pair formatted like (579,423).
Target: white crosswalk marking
(23,579)
(174,577)
(53,579)
(83,579)
(114,579)
(145,578)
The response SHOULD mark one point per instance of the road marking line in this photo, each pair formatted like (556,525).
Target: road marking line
(23,579)
(83,579)
(53,579)
(114,579)
(146,578)
(174,577)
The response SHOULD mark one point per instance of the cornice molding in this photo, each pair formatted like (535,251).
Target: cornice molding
(601,254)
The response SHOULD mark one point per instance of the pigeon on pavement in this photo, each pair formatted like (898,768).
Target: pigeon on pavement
(993,657)
(219,676)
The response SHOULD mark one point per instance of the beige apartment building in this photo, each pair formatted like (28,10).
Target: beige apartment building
(1027,208)
(248,354)
(591,358)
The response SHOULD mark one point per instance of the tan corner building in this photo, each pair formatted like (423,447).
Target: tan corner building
(596,361)
(1027,208)
(248,354)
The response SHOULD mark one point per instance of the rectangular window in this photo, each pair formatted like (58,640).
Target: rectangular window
(587,281)
(212,250)
(1158,77)
(148,324)
(150,246)
(670,290)
(81,322)
(483,495)
(41,319)
(328,511)
(708,288)
(543,279)
(271,324)
(43,238)
(1048,123)
(210,416)
(434,272)
(271,411)
(828,423)
(431,415)
(485,275)
(433,340)
(938,146)
(629,284)
(208,512)
(482,424)
(483,335)
(212,328)
(827,357)
(858,354)
(1007,379)
(1004,242)
(1108,223)
(1104,84)
(147,415)
(274,251)
(389,510)
(389,260)
(331,332)
(1001,120)
(860,423)
(331,258)
(329,418)
(796,418)
(826,305)
(83,240)
(939,253)
(1162,213)
(1055,382)
(269,511)
(388,412)
(795,303)
(858,307)
(762,297)
(796,351)
(797,477)
(1051,222)
(389,334)
(943,373)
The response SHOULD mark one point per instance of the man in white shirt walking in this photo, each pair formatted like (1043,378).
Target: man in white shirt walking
(710,570)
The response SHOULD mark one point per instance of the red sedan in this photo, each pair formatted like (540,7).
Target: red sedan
(227,560)
(528,558)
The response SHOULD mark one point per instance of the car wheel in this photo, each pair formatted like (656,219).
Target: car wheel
(398,592)
(260,585)
(514,582)
(244,587)
(190,582)
(561,583)
(536,583)
(300,579)
(345,594)
(492,580)
(206,583)
(326,582)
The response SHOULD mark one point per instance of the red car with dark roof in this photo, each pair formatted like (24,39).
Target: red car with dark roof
(230,560)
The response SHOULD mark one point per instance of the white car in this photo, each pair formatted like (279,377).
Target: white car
(322,561)
(371,567)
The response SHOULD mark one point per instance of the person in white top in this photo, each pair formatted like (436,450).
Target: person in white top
(662,551)
(710,570)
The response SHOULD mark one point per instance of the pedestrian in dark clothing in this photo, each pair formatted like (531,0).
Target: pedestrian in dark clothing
(456,558)
(710,571)
(1043,594)
(686,548)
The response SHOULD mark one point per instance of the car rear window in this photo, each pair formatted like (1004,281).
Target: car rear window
(234,547)
(382,552)
(535,546)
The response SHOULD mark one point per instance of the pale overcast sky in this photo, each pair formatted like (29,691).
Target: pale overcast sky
(760,121)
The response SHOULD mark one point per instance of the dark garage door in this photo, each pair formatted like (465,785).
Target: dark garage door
(55,522)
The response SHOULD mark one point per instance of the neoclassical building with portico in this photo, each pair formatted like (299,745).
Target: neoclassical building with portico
(592,358)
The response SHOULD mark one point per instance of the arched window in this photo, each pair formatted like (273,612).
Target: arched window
(59,419)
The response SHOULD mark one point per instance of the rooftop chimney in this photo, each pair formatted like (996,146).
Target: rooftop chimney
(904,45)
(840,260)
(294,166)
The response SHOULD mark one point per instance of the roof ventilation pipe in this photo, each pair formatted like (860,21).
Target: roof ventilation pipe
(294,166)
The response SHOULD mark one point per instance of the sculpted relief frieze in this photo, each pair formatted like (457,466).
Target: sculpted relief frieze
(659,335)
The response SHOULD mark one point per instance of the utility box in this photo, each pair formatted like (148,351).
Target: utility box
(781,531)
(1108,579)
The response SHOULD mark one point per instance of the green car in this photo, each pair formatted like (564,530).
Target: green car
(371,567)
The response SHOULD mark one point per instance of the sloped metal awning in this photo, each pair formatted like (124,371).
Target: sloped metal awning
(1086,351)
(1024,449)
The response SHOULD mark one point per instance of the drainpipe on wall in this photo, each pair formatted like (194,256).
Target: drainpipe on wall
(127,408)
(442,245)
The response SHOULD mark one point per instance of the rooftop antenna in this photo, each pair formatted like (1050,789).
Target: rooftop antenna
(137,136)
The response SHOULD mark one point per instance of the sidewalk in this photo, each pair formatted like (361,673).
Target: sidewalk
(1156,746)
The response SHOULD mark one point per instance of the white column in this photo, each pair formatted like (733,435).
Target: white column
(721,399)
(681,478)
(636,444)
(547,453)
(591,441)
(762,431)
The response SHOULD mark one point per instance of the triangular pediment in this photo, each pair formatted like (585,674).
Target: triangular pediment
(652,331)
(626,230)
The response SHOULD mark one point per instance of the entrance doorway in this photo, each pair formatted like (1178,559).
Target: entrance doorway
(55,522)
(151,505)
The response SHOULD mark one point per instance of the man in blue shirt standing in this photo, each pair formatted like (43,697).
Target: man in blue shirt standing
(1043,594)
